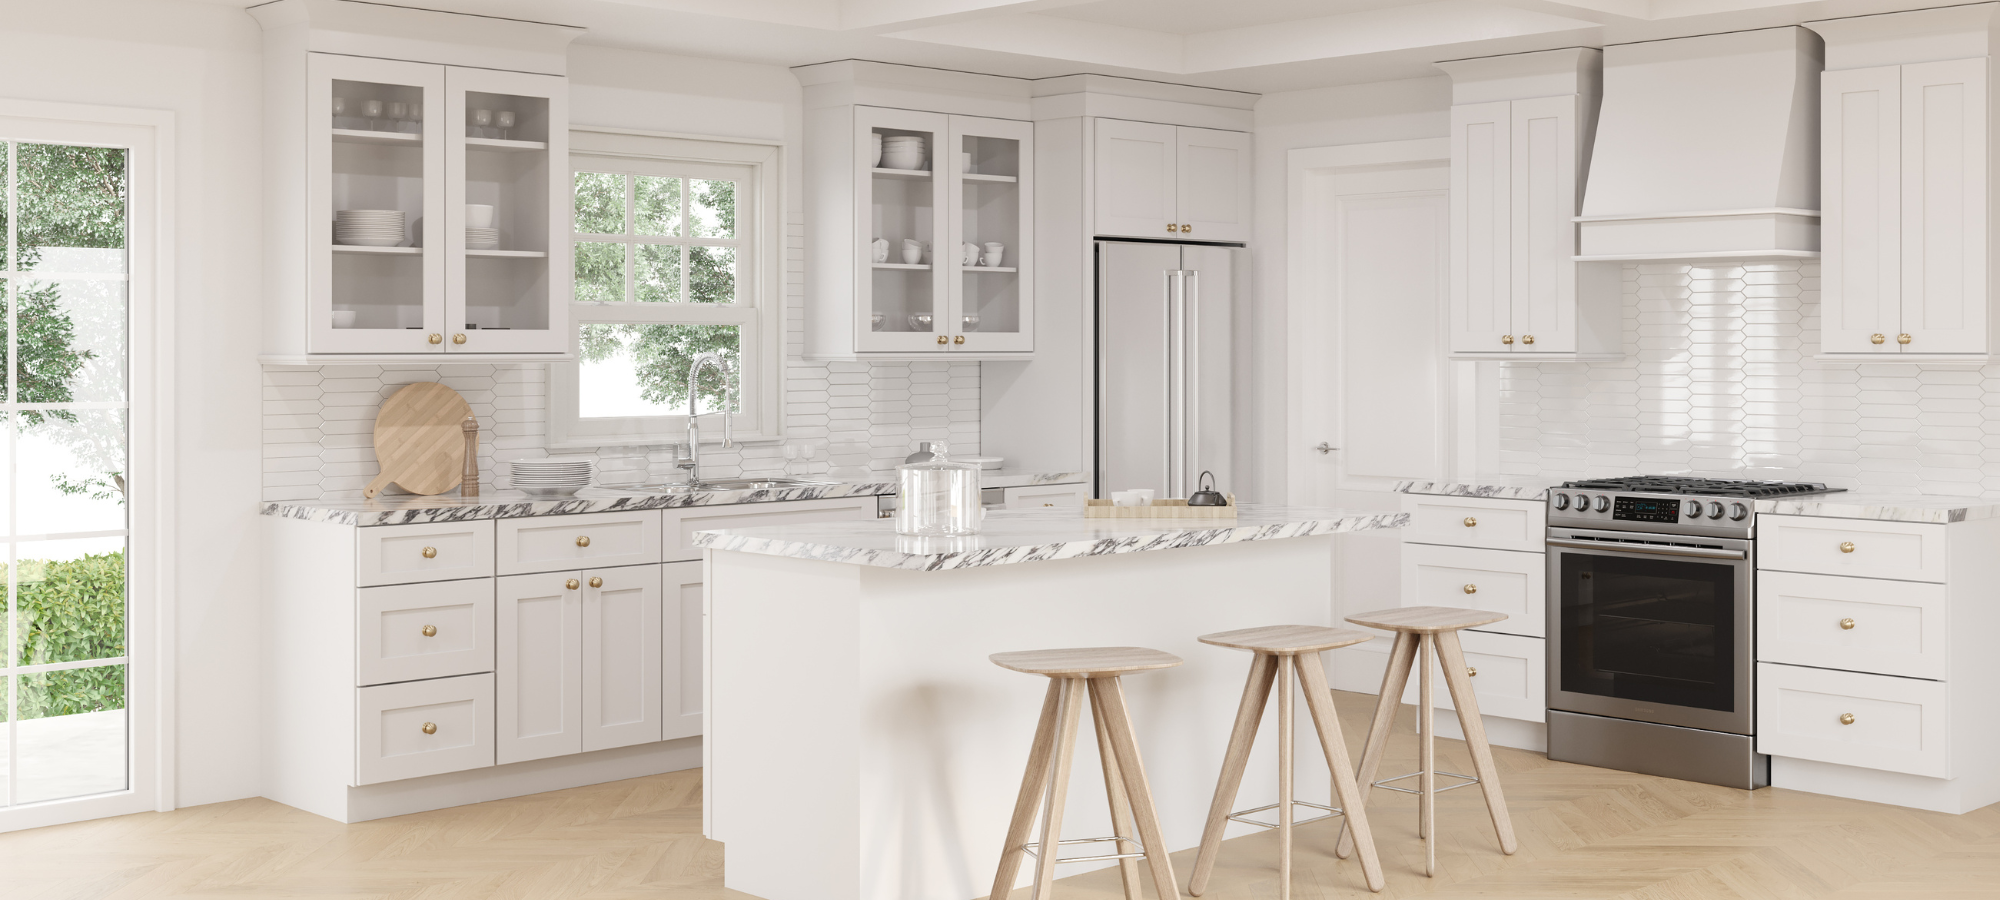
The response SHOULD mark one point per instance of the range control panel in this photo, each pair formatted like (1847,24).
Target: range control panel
(1667,513)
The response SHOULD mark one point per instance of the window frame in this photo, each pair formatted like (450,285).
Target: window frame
(758,312)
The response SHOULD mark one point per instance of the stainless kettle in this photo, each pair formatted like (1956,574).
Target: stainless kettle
(1207,496)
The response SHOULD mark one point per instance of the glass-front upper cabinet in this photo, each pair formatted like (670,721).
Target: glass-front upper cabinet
(376,190)
(507,282)
(990,176)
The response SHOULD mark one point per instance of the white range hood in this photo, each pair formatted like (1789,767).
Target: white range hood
(1707,147)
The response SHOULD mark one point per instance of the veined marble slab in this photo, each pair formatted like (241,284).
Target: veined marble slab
(1498,487)
(1030,535)
(1885,507)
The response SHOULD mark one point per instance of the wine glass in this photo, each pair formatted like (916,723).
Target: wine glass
(481,120)
(339,110)
(416,118)
(504,119)
(372,110)
(793,450)
(398,111)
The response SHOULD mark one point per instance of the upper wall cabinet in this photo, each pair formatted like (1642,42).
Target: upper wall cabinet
(1905,190)
(418,207)
(1517,166)
(1161,181)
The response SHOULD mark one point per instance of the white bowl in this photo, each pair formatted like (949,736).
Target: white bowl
(984,462)
(371,242)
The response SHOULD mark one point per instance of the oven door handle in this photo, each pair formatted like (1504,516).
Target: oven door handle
(1655,551)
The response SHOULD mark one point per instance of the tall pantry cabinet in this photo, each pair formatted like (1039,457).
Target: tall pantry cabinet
(1906,186)
(1521,129)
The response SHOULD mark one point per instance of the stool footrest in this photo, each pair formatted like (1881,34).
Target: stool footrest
(1241,814)
(1033,848)
(1384,783)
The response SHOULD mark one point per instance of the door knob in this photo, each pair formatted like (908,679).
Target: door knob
(1325,448)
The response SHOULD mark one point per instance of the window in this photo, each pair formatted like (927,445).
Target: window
(674,246)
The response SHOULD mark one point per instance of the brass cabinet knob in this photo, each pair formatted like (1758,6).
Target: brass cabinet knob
(1877,338)
(1847,546)
(583,540)
(430,728)
(1846,624)
(942,339)
(1527,339)
(1902,339)
(571,584)
(1846,718)
(437,339)
(1506,339)
(596,581)
(1186,228)
(1471,672)
(958,339)
(458,338)
(1171,228)
(430,553)
(1470,521)
(430,631)
(1472,589)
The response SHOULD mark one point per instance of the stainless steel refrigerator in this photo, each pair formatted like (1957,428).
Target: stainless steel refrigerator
(1163,367)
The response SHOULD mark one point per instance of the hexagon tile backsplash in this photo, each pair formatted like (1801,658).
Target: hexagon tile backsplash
(1718,378)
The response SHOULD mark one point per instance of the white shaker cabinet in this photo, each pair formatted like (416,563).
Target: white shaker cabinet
(1159,181)
(681,615)
(539,648)
(622,641)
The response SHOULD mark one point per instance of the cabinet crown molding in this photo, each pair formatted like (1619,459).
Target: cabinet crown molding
(1519,76)
(377,30)
(1924,35)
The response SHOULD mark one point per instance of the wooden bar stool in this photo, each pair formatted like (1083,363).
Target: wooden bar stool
(1071,673)
(1421,632)
(1280,651)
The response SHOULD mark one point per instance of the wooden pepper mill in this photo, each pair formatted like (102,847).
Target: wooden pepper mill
(470,486)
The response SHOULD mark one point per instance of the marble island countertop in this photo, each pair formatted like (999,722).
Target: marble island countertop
(1888,506)
(504,504)
(1031,535)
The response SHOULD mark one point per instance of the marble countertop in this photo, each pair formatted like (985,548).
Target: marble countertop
(1031,535)
(1888,506)
(502,504)
(1498,487)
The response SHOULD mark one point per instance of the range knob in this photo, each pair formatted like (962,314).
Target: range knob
(1738,512)
(1715,510)
(1561,501)
(1603,502)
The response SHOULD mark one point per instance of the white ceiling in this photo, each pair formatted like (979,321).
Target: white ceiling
(1251,45)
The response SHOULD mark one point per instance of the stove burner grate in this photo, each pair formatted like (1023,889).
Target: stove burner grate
(1719,487)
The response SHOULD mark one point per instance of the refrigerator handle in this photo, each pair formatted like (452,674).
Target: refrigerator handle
(1176,382)
(1190,380)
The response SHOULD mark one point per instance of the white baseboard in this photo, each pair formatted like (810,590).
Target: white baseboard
(1894,788)
(412,795)
(1500,732)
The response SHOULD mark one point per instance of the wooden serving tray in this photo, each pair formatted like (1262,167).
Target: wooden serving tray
(1161,509)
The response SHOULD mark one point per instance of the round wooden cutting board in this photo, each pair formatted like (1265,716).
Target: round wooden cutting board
(420,440)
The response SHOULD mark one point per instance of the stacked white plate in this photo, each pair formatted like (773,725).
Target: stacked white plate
(368,227)
(903,151)
(482,238)
(560,476)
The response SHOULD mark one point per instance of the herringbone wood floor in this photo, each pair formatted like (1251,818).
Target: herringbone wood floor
(1585,833)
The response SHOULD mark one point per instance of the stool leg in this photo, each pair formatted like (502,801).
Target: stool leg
(1045,870)
(1427,755)
(1109,692)
(1394,676)
(1256,693)
(1319,700)
(1121,810)
(1453,657)
(1286,664)
(1029,801)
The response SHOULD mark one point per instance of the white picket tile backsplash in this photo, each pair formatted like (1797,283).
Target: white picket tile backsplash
(319,420)
(1718,378)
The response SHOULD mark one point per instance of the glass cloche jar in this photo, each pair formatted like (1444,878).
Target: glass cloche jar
(938,496)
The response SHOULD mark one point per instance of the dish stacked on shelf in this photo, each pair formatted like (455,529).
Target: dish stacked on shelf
(902,151)
(368,227)
(482,238)
(557,476)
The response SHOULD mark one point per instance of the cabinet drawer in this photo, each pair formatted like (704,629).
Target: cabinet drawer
(392,742)
(1045,495)
(1510,684)
(1898,724)
(561,543)
(1494,524)
(1505,581)
(406,632)
(1891,628)
(1907,551)
(681,524)
(400,554)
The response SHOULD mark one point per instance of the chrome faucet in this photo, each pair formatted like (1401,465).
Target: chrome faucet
(692,460)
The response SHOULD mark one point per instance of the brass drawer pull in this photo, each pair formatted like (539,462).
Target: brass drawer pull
(430,728)
(1471,672)
(1846,718)
(1472,589)
(1847,546)
(430,631)
(1846,624)
(1470,521)
(583,540)
(571,584)
(430,553)
(596,581)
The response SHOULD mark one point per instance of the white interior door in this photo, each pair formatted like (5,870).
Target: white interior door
(539,641)
(621,656)
(1135,175)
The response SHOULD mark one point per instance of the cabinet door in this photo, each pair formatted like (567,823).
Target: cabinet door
(1870,721)
(506,292)
(1044,495)
(1544,208)
(385,291)
(682,641)
(990,254)
(1136,179)
(1861,189)
(539,647)
(1481,221)
(1944,207)
(423,728)
(1857,624)
(621,657)
(1212,186)
(408,632)
(679,525)
(901,196)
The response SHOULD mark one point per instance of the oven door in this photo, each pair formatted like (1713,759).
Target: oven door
(1654,628)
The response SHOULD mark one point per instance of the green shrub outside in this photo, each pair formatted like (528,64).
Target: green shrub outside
(68,611)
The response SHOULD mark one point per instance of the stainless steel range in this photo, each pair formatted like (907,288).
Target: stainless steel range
(1652,606)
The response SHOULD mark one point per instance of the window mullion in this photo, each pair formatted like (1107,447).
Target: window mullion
(687,255)
(631,228)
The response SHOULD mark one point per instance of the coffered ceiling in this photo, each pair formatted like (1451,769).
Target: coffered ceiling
(1252,45)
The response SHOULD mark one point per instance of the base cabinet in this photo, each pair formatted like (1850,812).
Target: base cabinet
(1855,719)
(682,631)
(621,657)
(423,728)
(539,666)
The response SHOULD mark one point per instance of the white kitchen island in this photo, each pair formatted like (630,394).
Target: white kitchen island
(860,745)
